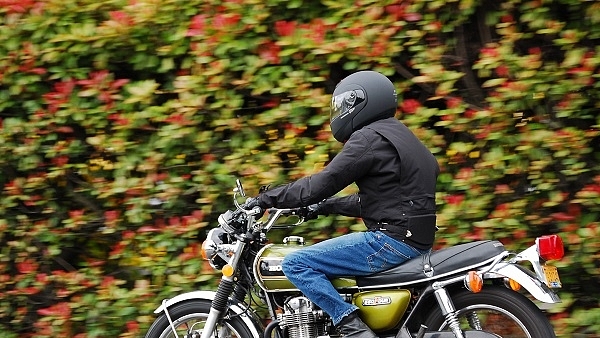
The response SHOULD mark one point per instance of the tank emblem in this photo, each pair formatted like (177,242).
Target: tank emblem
(377,301)
(271,267)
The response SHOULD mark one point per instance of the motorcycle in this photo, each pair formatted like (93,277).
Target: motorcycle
(471,290)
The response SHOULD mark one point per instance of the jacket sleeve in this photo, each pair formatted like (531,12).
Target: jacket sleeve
(345,206)
(351,163)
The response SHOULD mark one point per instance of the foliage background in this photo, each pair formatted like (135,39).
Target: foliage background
(123,125)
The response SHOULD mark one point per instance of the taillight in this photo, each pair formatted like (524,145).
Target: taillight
(550,247)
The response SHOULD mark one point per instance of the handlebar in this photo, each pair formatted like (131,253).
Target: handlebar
(275,214)
(251,214)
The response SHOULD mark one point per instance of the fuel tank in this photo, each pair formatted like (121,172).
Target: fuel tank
(268,272)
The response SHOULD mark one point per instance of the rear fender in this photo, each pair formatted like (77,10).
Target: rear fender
(526,278)
(245,314)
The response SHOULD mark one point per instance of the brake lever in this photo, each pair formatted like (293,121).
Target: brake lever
(275,213)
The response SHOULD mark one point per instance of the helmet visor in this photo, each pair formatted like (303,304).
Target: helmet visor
(345,103)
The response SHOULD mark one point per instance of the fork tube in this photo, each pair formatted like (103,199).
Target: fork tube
(218,307)
(226,286)
(448,310)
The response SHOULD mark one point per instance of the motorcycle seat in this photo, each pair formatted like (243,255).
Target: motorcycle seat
(443,262)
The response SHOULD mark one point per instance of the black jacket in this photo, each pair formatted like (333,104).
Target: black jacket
(395,173)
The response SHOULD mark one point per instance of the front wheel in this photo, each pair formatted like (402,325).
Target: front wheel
(189,317)
(495,310)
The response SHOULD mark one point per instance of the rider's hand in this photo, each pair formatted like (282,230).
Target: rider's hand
(310,212)
(251,203)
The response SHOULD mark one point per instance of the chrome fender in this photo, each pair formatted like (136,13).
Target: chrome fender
(246,315)
(526,278)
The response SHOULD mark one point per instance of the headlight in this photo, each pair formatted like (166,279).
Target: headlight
(210,248)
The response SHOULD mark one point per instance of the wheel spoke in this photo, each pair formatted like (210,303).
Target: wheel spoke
(492,319)
(195,323)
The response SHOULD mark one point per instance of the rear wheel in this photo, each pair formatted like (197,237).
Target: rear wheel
(495,310)
(189,317)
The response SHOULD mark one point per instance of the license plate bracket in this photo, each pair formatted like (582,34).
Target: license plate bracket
(552,278)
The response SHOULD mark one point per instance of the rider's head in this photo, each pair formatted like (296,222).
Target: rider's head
(360,99)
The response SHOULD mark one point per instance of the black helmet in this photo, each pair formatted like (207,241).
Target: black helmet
(360,99)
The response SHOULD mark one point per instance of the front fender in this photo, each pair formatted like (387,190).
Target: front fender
(245,314)
(527,279)
(206,295)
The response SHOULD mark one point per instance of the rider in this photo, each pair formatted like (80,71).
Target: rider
(396,176)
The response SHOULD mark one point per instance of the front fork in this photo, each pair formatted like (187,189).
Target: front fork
(218,307)
(226,287)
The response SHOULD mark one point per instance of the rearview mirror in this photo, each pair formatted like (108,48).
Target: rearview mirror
(239,188)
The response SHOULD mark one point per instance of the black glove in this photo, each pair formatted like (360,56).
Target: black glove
(251,203)
(310,212)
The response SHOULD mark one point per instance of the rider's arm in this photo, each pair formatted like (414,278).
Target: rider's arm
(345,206)
(351,163)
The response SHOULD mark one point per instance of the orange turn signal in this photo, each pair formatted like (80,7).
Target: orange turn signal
(228,270)
(512,284)
(473,282)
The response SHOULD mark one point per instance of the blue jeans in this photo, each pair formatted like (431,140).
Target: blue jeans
(354,254)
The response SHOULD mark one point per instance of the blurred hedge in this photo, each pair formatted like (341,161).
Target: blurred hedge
(124,124)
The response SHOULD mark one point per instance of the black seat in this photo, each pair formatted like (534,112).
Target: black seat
(459,257)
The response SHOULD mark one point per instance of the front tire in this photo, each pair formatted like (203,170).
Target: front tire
(190,316)
(495,310)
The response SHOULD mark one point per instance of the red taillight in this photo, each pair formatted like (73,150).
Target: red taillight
(550,247)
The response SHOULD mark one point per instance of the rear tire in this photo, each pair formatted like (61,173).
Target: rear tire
(498,310)
(190,316)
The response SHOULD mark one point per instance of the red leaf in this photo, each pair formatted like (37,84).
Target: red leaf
(270,52)
(148,228)
(397,11)
(107,281)
(174,221)
(223,21)
(58,310)
(132,326)
(470,113)
(27,266)
(561,216)
(490,52)
(410,106)
(197,25)
(502,71)
(121,18)
(285,28)
(111,215)
(64,129)
(412,17)
(454,199)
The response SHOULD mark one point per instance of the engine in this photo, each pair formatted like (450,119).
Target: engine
(303,319)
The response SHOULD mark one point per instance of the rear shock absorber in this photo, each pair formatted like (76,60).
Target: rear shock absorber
(449,312)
